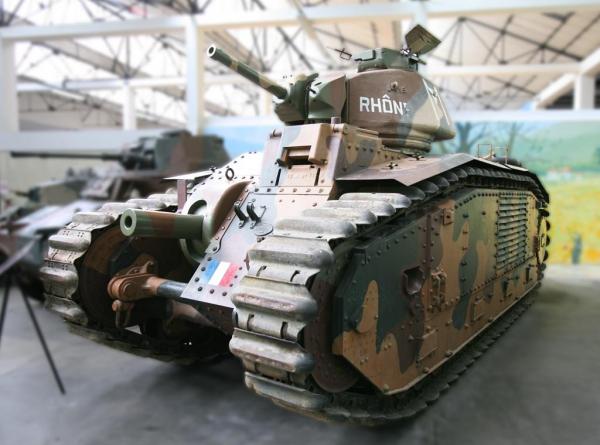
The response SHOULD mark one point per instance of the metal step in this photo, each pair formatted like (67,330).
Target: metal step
(65,242)
(61,277)
(378,208)
(311,253)
(273,353)
(356,216)
(166,198)
(98,218)
(286,394)
(312,227)
(146,203)
(273,308)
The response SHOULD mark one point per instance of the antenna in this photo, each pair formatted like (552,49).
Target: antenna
(344,55)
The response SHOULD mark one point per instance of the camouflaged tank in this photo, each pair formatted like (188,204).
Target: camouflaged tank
(138,170)
(354,274)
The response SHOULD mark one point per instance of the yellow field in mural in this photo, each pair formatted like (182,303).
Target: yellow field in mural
(575,218)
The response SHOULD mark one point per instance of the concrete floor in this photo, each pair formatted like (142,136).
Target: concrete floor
(540,384)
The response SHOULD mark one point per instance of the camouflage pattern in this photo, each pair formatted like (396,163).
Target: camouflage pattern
(349,274)
(451,273)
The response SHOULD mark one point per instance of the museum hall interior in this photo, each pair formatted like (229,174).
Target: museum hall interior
(299,221)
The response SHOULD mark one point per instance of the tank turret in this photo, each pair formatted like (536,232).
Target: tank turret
(387,95)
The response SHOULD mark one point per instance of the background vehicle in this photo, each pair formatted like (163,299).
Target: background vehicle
(139,170)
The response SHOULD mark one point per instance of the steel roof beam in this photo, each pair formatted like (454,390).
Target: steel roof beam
(99,60)
(309,30)
(541,45)
(501,70)
(227,79)
(9,106)
(590,66)
(286,17)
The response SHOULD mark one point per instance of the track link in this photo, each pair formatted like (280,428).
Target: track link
(274,303)
(59,272)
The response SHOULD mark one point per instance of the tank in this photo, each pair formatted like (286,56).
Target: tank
(136,171)
(354,274)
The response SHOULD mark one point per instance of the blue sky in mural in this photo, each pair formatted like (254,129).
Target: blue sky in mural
(242,138)
(542,146)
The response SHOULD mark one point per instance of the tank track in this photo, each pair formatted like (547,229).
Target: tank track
(60,276)
(71,243)
(274,303)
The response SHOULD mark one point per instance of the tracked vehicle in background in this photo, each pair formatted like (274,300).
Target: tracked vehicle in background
(138,170)
(353,274)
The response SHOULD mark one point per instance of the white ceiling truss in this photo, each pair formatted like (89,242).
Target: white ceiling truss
(495,55)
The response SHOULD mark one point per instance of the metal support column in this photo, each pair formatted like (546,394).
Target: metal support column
(398,34)
(9,104)
(420,17)
(129,110)
(194,43)
(266,103)
(584,92)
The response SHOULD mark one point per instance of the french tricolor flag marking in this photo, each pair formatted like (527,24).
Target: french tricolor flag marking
(219,273)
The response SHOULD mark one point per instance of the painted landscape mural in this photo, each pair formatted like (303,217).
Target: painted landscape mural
(566,155)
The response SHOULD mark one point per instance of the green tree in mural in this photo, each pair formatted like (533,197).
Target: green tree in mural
(597,155)
(513,130)
(524,142)
(468,134)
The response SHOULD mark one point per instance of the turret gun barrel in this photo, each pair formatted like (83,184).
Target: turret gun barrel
(129,159)
(249,73)
(66,155)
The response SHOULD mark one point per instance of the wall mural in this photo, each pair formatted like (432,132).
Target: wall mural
(566,155)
